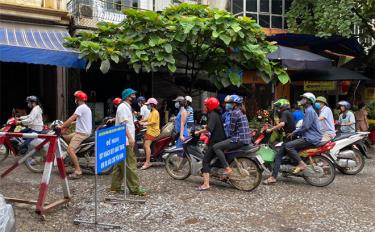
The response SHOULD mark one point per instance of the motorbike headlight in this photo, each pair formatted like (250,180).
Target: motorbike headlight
(3,149)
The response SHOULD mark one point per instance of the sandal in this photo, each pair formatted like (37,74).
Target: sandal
(201,189)
(298,170)
(269,182)
(144,167)
(74,176)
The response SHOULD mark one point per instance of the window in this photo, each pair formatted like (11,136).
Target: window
(114,5)
(268,13)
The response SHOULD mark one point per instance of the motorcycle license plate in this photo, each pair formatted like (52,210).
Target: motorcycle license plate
(260,160)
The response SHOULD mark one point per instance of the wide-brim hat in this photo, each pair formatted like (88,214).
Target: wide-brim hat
(127,92)
(322,99)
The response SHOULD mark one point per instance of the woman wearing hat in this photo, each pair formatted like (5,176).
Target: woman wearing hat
(153,129)
(327,123)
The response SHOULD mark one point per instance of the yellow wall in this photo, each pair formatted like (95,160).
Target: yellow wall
(51,4)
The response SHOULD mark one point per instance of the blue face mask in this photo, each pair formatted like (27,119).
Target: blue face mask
(317,105)
(228,106)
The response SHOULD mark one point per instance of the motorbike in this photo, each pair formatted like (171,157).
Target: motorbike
(158,146)
(246,164)
(349,152)
(320,169)
(85,152)
(9,145)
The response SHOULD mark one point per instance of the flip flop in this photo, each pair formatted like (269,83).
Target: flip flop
(201,189)
(268,182)
(144,167)
(298,170)
(74,176)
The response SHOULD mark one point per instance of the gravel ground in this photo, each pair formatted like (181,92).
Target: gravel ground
(348,204)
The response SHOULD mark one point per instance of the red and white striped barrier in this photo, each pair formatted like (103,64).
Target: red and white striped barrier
(41,208)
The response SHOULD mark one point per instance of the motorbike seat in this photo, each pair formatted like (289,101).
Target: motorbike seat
(343,136)
(89,139)
(322,143)
(248,148)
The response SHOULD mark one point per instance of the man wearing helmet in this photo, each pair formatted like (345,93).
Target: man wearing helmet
(33,121)
(239,133)
(144,111)
(346,118)
(124,116)
(327,123)
(215,127)
(83,118)
(309,132)
(287,123)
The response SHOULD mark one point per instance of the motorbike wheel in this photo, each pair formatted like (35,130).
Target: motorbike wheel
(4,152)
(35,163)
(178,167)
(246,174)
(358,168)
(329,172)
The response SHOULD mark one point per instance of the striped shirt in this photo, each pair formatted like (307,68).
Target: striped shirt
(239,127)
(190,117)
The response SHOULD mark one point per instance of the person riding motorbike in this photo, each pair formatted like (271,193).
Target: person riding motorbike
(326,118)
(144,112)
(83,118)
(117,101)
(309,132)
(226,115)
(288,125)
(239,134)
(181,121)
(190,110)
(153,130)
(216,129)
(346,118)
(33,121)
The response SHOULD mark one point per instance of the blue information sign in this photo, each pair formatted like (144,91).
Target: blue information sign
(110,147)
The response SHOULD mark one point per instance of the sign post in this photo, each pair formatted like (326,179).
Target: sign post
(110,149)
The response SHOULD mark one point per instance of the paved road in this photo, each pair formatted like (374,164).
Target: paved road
(348,204)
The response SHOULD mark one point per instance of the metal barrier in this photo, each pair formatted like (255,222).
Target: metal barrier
(41,206)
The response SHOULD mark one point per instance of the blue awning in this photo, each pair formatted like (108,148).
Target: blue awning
(37,45)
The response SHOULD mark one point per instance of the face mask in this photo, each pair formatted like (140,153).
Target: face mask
(76,101)
(317,105)
(149,107)
(132,99)
(29,105)
(177,105)
(228,106)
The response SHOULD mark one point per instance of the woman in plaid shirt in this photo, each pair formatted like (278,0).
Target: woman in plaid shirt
(239,134)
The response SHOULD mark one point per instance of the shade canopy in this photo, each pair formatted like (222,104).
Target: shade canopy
(34,44)
(332,74)
(297,59)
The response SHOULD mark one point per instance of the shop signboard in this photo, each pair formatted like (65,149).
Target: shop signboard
(319,85)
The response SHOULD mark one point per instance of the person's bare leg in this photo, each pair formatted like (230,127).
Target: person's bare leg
(206,181)
(73,157)
(146,146)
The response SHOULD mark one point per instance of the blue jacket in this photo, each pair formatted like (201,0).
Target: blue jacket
(310,129)
(226,122)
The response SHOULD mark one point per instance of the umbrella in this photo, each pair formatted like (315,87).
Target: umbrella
(332,74)
(298,59)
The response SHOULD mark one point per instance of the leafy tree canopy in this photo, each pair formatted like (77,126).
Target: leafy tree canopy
(334,17)
(189,39)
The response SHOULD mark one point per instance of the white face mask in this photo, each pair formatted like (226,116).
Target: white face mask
(30,105)
(76,101)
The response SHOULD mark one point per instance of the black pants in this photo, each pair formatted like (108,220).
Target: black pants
(210,154)
(225,145)
(292,148)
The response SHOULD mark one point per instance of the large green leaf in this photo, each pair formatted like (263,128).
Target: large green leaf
(226,39)
(168,48)
(104,66)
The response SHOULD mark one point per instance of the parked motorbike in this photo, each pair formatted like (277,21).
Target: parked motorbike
(85,152)
(158,146)
(349,152)
(320,169)
(246,165)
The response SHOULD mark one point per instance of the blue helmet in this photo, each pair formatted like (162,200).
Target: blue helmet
(236,99)
(127,92)
(141,98)
(345,104)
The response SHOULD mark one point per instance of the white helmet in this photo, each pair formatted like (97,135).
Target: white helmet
(227,98)
(309,96)
(189,99)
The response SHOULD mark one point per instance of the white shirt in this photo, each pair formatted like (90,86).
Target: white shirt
(145,112)
(34,120)
(84,121)
(124,113)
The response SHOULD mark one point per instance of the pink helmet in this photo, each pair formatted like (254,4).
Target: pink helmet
(151,101)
